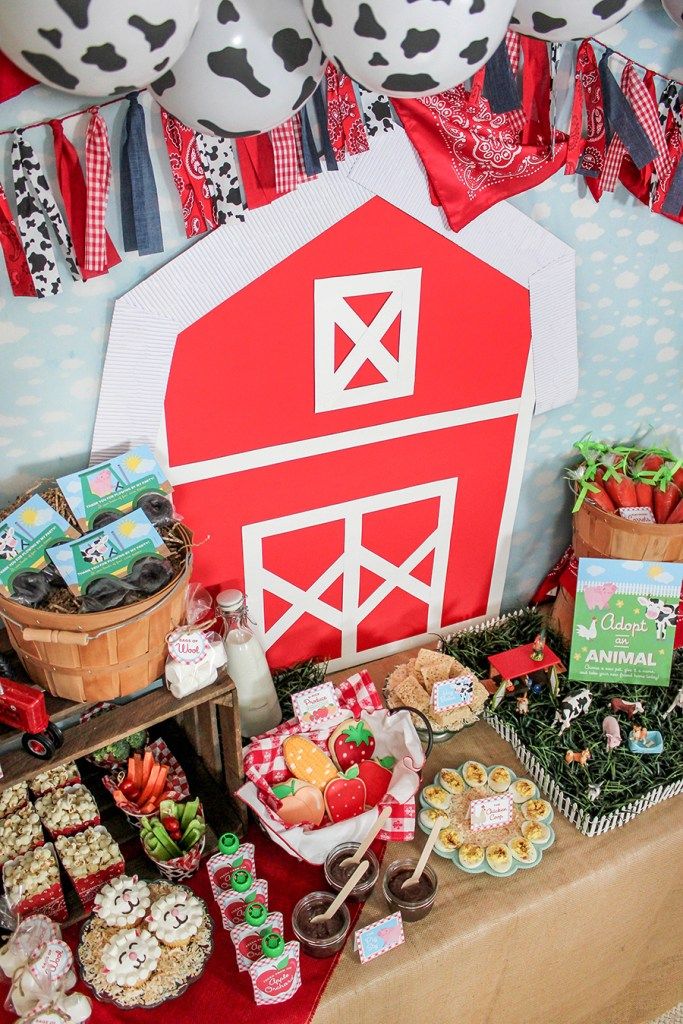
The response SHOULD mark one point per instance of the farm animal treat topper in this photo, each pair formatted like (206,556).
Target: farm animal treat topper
(103,493)
(105,565)
(25,536)
(624,621)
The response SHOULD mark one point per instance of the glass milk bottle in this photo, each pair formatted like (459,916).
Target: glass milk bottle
(247,665)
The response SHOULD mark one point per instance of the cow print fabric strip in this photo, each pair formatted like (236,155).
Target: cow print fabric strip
(377,114)
(218,160)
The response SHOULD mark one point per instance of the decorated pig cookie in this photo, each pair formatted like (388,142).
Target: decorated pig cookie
(307,762)
(351,743)
(302,803)
(345,796)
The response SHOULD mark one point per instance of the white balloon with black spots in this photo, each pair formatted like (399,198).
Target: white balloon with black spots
(674,8)
(96,47)
(251,64)
(409,48)
(560,20)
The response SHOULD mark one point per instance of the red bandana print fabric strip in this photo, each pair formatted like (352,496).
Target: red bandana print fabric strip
(189,176)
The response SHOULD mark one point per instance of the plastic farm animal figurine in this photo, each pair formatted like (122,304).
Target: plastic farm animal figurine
(612,732)
(677,702)
(523,704)
(571,707)
(577,757)
(629,707)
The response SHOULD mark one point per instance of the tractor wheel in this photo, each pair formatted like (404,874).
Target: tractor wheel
(38,744)
(56,733)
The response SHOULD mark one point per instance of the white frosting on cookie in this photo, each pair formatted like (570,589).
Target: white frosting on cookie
(176,917)
(123,902)
(131,957)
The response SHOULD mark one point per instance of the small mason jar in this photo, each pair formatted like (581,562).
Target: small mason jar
(415,901)
(337,877)
(324,938)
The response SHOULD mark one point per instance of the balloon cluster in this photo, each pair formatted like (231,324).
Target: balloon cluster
(240,67)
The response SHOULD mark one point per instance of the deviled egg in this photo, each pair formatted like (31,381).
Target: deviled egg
(428,817)
(537,810)
(523,789)
(499,857)
(535,832)
(475,774)
(500,779)
(523,850)
(450,839)
(437,797)
(451,781)
(471,855)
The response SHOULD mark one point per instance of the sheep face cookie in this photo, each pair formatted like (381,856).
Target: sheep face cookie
(176,918)
(307,762)
(451,781)
(123,902)
(523,789)
(131,957)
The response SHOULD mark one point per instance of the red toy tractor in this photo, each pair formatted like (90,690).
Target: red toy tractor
(23,707)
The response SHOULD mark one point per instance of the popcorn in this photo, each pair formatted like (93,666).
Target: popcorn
(65,810)
(31,874)
(54,778)
(13,798)
(88,852)
(19,833)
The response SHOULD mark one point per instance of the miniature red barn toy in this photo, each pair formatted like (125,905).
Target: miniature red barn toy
(343,390)
(518,663)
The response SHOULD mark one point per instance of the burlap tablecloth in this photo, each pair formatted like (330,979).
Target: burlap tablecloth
(594,935)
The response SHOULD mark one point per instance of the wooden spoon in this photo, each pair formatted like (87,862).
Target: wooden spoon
(424,856)
(341,896)
(360,852)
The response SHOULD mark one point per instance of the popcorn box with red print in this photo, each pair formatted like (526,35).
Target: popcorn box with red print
(276,981)
(68,811)
(54,778)
(32,884)
(247,939)
(233,905)
(93,847)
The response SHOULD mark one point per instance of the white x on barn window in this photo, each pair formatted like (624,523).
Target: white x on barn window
(332,312)
(259,578)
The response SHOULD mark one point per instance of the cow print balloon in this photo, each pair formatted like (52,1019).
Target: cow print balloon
(409,47)
(96,47)
(250,65)
(674,8)
(559,20)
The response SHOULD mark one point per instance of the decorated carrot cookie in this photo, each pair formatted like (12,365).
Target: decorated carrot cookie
(307,762)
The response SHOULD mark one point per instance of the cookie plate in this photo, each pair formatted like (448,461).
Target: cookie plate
(484,867)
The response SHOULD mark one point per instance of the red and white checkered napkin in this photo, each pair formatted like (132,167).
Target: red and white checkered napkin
(265,766)
(176,781)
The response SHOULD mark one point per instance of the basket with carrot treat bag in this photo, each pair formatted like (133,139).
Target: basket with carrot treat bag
(147,779)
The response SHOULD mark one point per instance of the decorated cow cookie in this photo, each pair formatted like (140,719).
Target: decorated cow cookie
(302,803)
(345,796)
(308,762)
(351,743)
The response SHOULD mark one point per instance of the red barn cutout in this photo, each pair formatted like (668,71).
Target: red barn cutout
(343,389)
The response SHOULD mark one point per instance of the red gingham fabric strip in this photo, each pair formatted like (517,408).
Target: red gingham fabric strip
(98,177)
(645,109)
(18,272)
(289,161)
(513,43)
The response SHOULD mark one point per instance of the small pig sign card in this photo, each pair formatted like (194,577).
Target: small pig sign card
(624,621)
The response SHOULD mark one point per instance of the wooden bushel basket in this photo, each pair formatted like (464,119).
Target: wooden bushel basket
(98,655)
(598,534)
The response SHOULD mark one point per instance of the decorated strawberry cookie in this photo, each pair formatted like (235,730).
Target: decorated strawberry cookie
(351,743)
(345,796)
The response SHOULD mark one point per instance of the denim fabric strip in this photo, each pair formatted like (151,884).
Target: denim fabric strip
(321,118)
(139,202)
(311,159)
(673,204)
(500,85)
(622,119)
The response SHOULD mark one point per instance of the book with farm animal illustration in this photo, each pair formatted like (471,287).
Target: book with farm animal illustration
(624,621)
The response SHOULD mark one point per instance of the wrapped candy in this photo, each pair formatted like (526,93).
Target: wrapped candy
(66,1009)
(195,651)
(29,935)
(41,969)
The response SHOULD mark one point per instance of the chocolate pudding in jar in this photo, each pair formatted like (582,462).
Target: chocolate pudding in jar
(415,901)
(337,876)
(320,938)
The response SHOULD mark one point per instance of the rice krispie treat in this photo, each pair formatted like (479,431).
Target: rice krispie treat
(31,874)
(411,684)
(54,778)
(19,833)
(12,798)
(88,852)
(64,809)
